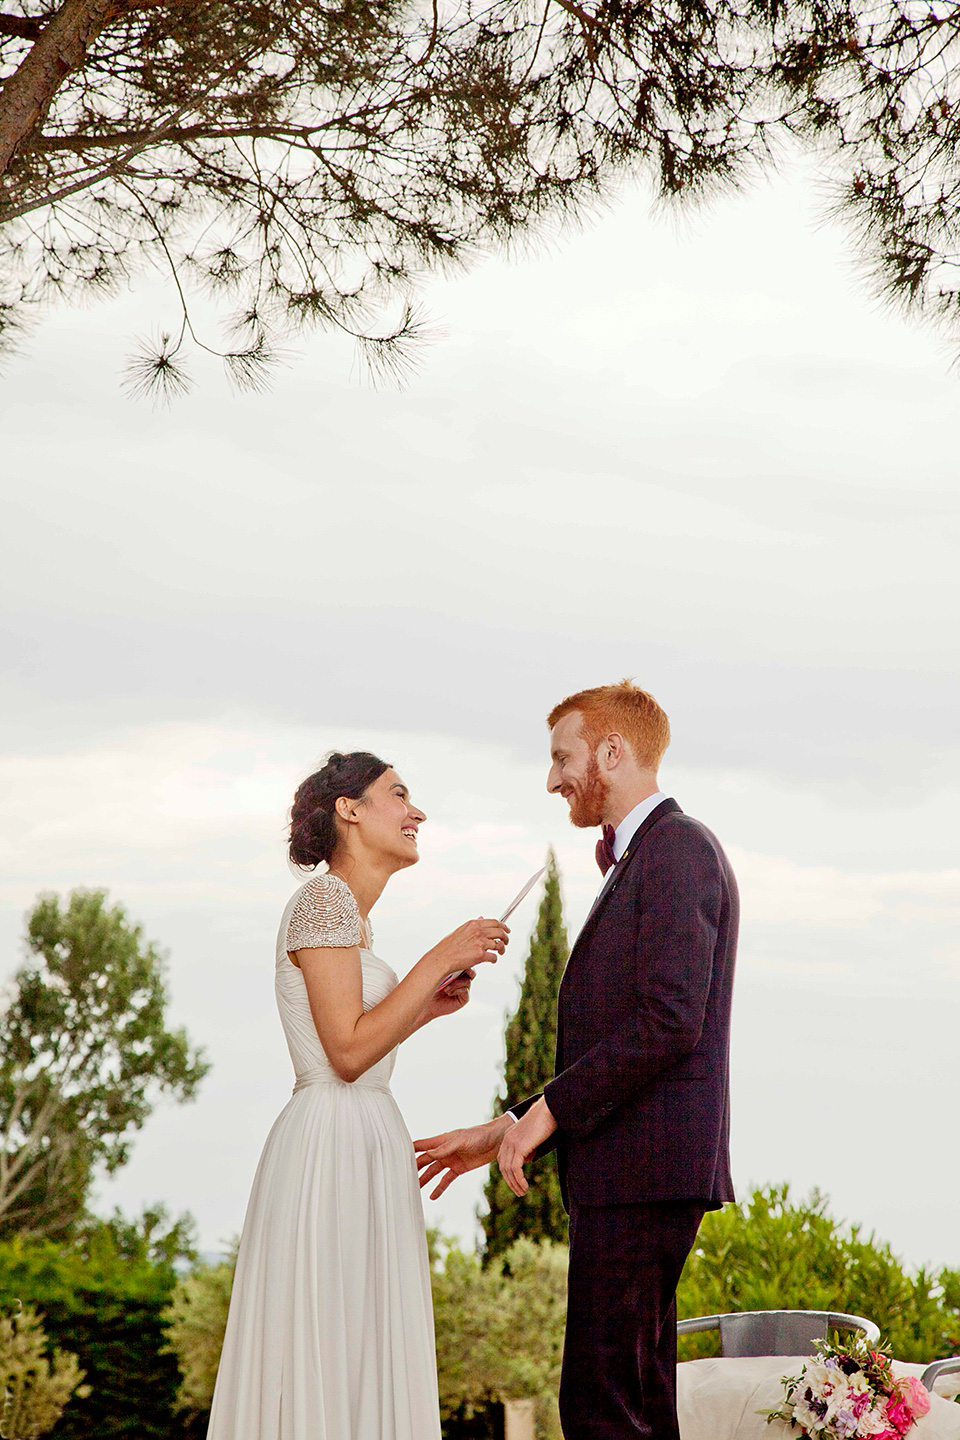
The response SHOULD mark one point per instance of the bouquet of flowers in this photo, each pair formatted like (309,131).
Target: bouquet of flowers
(850,1393)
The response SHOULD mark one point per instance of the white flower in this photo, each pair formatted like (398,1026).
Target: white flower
(805,1417)
(874,1420)
(829,1384)
(820,1376)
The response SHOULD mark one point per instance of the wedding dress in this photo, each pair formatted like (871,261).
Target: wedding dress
(330,1333)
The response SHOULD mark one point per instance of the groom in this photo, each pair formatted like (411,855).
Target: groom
(638,1110)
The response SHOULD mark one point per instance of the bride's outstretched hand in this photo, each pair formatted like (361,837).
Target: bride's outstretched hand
(458,1151)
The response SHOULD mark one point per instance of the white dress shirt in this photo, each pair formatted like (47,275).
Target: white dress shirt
(631,823)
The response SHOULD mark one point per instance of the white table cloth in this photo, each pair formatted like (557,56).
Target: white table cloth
(719,1400)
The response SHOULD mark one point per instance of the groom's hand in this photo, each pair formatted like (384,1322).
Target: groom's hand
(458,1151)
(520,1143)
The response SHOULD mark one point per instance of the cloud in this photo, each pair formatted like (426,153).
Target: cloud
(192,816)
(647,479)
(784,893)
(873,731)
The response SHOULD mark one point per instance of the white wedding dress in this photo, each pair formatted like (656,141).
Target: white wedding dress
(330,1334)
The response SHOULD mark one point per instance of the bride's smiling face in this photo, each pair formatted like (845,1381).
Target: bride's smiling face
(389,821)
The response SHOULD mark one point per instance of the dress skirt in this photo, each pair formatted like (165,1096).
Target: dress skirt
(330,1334)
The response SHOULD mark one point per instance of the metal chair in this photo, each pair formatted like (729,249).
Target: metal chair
(940,1367)
(780,1332)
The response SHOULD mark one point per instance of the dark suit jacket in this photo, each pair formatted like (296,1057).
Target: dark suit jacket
(641,1093)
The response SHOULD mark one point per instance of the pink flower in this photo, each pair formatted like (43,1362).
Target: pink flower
(915,1395)
(899,1415)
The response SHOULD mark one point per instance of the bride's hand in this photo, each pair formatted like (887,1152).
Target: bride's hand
(450,998)
(456,1152)
(471,944)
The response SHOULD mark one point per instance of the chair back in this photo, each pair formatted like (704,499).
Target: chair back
(940,1367)
(776,1332)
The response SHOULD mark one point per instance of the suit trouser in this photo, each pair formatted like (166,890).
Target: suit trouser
(619,1377)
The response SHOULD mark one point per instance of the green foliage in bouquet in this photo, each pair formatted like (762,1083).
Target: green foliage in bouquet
(103,1299)
(773,1253)
(35,1381)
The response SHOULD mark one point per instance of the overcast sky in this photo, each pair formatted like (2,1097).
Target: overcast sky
(696,453)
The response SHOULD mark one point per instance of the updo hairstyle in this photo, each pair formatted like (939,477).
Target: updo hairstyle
(313,828)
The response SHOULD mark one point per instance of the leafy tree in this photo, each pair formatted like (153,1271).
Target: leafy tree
(36,1385)
(771,1253)
(464,1310)
(307,160)
(104,1299)
(531,1044)
(84,1050)
(150,1237)
(196,1322)
(530,1328)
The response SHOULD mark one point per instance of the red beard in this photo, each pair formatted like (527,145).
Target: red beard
(589,800)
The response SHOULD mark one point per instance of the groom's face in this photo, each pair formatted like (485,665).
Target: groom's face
(574,772)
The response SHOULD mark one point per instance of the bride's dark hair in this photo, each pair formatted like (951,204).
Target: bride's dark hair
(313,829)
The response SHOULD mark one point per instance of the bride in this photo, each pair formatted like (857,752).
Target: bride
(330,1333)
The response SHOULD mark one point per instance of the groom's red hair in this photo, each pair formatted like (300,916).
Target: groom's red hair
(625,709)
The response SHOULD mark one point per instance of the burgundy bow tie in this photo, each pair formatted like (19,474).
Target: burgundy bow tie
(605,855)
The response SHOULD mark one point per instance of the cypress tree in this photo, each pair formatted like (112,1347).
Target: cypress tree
(531,1042)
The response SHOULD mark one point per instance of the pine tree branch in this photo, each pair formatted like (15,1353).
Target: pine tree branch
(59,50)
(21,26)
(28,27)
(177,134)
(116,167)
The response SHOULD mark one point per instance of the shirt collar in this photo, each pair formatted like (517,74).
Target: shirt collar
(631,823)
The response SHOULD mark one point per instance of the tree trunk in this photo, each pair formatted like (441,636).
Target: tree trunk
(60,49)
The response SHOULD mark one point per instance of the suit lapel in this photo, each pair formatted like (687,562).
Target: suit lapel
(666,807)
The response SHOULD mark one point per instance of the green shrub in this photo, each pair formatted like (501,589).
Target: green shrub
(196,1321)
(771,1253)
(104,1303)
(499,1330)
(35,1382)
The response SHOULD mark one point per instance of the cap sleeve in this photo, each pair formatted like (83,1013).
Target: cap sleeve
(326,915)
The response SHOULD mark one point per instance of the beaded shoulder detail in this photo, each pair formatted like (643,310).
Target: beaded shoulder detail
(325,916)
